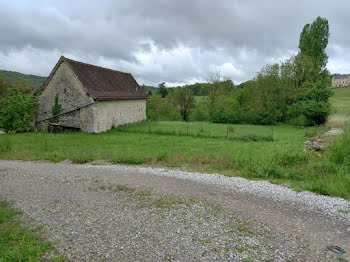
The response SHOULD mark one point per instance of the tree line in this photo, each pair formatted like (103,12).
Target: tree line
(292,91)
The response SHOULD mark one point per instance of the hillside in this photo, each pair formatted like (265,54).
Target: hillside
(341,104)
(33,80)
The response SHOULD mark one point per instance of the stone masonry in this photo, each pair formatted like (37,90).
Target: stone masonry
(88,113)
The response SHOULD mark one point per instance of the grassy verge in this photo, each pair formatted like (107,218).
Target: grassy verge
(20,243)
(282,160)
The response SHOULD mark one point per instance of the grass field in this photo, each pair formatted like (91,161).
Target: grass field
(341,104)
(211,130)
(281,160)
(274,153)
(18,242)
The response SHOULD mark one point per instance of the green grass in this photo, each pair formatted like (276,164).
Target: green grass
(341,104)
(282,160)
(204,130)
(18,242)
(344,211)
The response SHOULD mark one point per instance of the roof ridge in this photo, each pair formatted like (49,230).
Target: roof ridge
(95,65)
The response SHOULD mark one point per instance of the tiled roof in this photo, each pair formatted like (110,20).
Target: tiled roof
(341,76)
(104,83)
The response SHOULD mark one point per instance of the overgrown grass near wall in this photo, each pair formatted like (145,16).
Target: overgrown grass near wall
(281,160)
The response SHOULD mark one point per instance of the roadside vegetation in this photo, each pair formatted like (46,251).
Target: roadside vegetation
(19,242)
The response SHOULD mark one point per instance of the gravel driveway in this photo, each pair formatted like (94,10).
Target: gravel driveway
(125,213)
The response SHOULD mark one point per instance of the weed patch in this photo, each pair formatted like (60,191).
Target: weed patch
(20,243)
(344,211)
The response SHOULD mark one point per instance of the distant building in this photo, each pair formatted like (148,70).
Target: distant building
(340,80)
(94,99)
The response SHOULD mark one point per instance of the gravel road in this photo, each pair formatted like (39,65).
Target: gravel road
(126,213)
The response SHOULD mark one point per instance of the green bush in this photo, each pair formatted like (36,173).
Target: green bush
(200,112)
(17,112)
(161,109)
(312,104)
(228,111)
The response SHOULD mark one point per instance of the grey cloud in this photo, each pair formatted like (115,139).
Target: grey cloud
(237,36)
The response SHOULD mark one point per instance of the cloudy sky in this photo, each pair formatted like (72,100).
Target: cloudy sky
(170,41)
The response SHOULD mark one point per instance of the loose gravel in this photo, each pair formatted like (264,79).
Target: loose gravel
(303,200)
(91,214)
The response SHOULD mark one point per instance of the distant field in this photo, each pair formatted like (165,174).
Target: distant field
(341,104)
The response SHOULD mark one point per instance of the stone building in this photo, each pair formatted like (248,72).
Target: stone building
(340,80)
(93,99)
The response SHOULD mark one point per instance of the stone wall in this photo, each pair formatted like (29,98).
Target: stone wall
(71,96)
(108,114)
(98,117)
(341,81)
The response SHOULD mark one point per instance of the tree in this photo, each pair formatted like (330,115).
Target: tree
(56,110)
(311,74)
(312,58)
(214,90)
(184,99)
(17,111)
(314,40)
(4,88)
(313,104)
(162,90)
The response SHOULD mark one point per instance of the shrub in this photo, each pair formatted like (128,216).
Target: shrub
(228,111)
(17,112)
(161,109)
(312,104)
(200,112)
